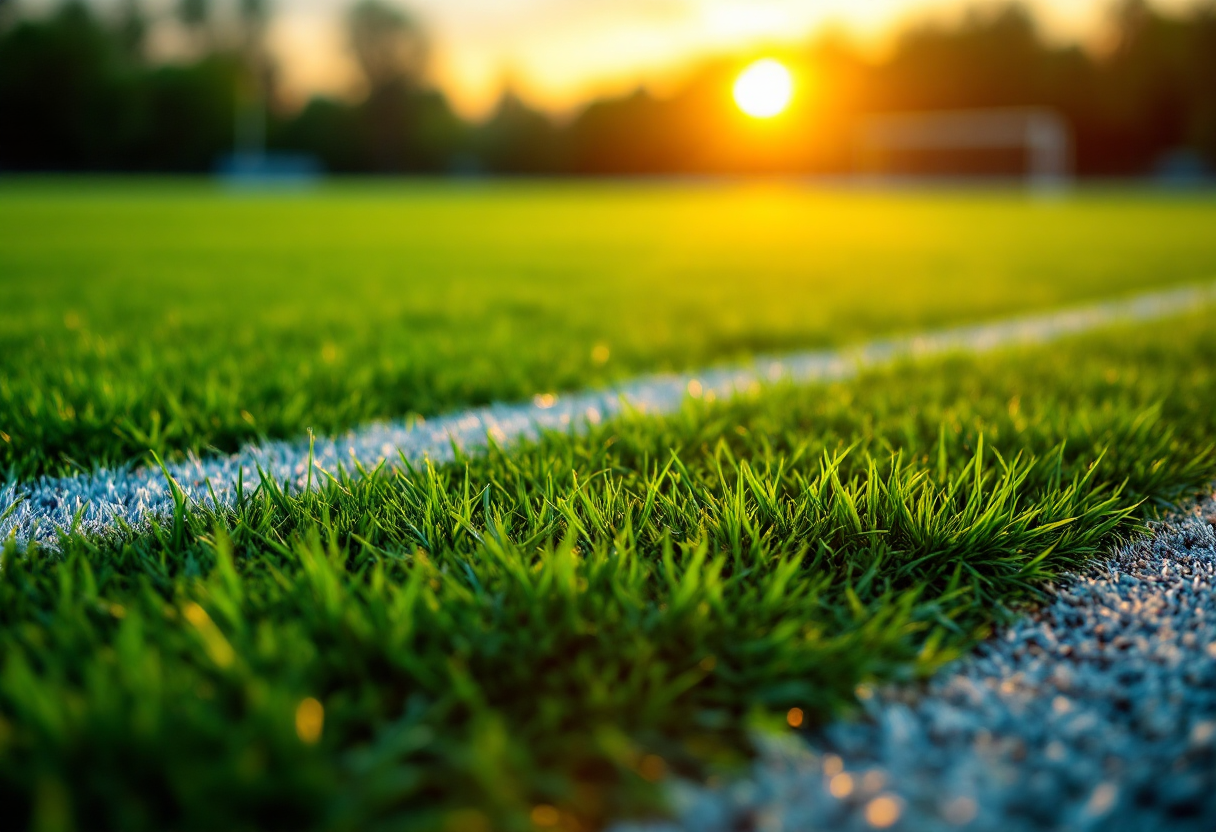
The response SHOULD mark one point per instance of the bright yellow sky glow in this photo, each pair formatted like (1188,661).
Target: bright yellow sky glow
(557,53)
(764,89)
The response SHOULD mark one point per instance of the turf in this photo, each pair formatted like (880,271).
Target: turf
(176,316)
(536,636)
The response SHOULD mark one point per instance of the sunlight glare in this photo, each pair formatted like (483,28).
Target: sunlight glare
(764,89)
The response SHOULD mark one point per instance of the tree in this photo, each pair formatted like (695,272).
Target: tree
(132,27)
(254,93)
(392,52)
(518,139)
(389,45)
(195,18)
(194,14)
(254,12)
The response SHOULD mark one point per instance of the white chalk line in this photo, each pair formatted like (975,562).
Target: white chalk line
(95,503)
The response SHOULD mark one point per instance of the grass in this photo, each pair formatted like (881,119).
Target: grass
(175,317)
(539,636)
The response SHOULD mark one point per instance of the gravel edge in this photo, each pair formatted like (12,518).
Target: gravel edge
(1096,711)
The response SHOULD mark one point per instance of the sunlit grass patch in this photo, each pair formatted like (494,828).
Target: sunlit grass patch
(176,318)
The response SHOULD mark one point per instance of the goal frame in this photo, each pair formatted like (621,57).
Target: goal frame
(1042,133)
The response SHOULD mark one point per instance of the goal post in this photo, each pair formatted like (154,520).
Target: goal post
(1031,143)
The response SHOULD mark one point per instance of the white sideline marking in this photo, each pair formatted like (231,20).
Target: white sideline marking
(96,502)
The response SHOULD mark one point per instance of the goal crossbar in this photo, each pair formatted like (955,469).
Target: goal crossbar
(1043,133)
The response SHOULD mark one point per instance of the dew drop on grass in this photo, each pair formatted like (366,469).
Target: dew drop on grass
(841,785)
(960,811)
(310,720)
(652,768)
(545,815)
(882,811)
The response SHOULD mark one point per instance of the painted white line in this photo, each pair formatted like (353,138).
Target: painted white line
(95,503)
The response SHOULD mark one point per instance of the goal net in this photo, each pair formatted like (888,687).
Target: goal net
(1030,144)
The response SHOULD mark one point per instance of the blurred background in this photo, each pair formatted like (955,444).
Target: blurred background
(294,88)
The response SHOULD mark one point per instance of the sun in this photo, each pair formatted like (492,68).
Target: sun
(764,89)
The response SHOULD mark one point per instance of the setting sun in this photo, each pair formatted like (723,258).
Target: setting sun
(764,89)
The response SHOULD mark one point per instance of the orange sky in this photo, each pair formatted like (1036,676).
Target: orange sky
(557,53)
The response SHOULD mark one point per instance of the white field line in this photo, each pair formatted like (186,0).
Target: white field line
(94,503)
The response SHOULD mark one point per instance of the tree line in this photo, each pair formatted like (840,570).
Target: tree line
(78,93)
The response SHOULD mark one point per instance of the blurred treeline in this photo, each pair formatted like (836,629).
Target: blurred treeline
(78,92)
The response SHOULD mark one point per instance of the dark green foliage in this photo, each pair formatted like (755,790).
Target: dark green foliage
(78,94)
(69,95)
(74,90)
(77,98)
(563,622)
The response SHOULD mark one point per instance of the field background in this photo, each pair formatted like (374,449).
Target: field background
(546,633)
(177,316)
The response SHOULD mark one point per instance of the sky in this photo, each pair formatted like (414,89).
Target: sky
(558,53)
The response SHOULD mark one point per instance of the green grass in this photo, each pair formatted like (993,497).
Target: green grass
(173,316)
(565,622)
(570,621)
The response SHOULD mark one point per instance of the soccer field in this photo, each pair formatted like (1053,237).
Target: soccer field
(545,633)
(181,317)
